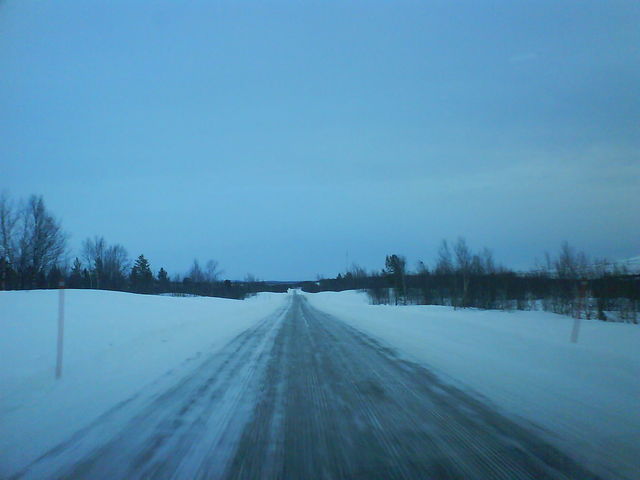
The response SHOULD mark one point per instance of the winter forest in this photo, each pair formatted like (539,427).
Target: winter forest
(34,254)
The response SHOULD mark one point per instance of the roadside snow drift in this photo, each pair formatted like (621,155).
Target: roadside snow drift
(583,397)
(114,344)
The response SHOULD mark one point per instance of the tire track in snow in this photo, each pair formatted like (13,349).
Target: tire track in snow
(189,430)
(339,405)
(304,395)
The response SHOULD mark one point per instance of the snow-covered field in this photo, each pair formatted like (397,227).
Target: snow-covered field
(115,344)
(583,397)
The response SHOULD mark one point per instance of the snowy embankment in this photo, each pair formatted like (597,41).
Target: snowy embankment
(115,344)
(583,397)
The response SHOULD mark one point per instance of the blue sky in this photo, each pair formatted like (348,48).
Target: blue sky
(275,137)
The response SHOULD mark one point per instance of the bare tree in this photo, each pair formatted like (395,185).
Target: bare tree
(108,264)
(488,264)
(8,221)
(571,264)
(464,262)
(463,255)
(212,272)
(196,275)
(396,266)
(93,251)
(116,265)
(41,244)
(251,278)
(444,264)
(357,271)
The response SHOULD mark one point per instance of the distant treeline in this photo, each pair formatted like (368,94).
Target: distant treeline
(568,284)
(34,254)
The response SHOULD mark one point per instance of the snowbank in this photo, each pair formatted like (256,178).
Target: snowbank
(584,397)
(115,344)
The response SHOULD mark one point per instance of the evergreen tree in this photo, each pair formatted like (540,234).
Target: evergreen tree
(396,267)
(86,278)
(54,277)
(141,276)
(8,276)
(75,277)
(163,280)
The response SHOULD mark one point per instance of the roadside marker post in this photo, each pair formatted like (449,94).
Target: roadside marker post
(582,305)
(60,330)
(576,329)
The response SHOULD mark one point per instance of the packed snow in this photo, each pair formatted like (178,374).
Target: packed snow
(584,397)
(115,344)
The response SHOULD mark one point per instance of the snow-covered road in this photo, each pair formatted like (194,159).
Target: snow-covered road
(303,395)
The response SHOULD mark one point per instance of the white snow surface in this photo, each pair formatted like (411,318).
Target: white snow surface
(583,397)
(115,344)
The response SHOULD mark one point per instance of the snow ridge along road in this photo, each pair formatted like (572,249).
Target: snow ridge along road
(304,395)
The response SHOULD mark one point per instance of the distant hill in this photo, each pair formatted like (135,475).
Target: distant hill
(632,264)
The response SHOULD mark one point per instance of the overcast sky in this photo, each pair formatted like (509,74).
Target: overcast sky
(286,139)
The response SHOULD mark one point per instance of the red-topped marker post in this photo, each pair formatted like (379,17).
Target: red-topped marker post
(582,305)
(60,329)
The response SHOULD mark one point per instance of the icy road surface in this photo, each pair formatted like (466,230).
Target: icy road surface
(301,396)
